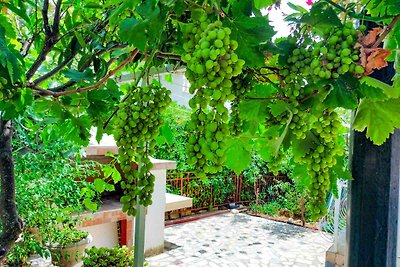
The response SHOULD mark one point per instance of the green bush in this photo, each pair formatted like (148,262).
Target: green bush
(50,187)
(105,257)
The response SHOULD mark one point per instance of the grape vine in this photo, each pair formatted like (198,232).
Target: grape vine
(139,120)
(313,61)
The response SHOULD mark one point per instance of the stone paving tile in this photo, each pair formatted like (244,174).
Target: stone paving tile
(241,240)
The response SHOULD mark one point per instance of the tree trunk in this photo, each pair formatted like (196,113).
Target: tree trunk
(11,223)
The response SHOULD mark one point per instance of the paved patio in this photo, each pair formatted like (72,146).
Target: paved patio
(238,240)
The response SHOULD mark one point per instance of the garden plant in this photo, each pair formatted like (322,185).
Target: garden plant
(61,62)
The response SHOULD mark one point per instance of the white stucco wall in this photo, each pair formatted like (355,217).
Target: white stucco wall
(104,235)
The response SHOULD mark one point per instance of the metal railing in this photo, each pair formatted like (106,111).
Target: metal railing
(219,190)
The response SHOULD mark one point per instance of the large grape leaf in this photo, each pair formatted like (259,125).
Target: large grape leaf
(253,110)
(250,31)
(373,88)
(379,117)
(383,7)
(302,147)
(146,30)
(343,93)
(262,91)
(321,16)
(278,107)
(238,157)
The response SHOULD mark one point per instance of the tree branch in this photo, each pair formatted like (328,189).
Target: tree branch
(12,224)
(56,69)
(43,91)
(57,17)
(71,82)
(45,12)
(386,31)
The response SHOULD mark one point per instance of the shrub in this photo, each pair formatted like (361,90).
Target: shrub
(105,257)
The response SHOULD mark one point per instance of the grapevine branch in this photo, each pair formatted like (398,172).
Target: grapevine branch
(88,88)
(386,31)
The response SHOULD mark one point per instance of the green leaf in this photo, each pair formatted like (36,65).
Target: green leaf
(146,31)
(78,76)
(238,157)
(168,78)
(383,7)
(250,31)
(343,93)
(80,39)
(265,146)
(99,185)
(90,205)
(302,147)
(341,168)
(253,110)
(259,4)
(262,91)
(166,132)
(278,107)
(379,117)
(115,16)
(10,31)
(133,32)
(300,174)
(321,16)
(297,8)
(373,88)
(19,10)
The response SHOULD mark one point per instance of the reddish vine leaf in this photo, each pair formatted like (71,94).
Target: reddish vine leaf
(377,59)
(370,38)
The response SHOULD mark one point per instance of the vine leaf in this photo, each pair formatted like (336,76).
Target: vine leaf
(302,147)
(250,32)
(259,4)
(374,89)
(262,91)
(238,157)
(379,117)
(383,7)
(321,16)
(370,38)
(252,110)
(376,59)
(372,58)
(343,93)
(278,107)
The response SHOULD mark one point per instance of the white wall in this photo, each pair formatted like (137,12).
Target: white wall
(104,235)
(155,213)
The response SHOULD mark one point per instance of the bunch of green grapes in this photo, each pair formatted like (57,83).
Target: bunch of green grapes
(329,58)
(321,159)
(138,120)
(241,85)
(211,64)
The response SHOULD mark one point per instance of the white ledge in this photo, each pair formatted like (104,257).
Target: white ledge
(158,164)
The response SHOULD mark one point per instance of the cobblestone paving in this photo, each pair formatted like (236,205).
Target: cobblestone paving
(239,240)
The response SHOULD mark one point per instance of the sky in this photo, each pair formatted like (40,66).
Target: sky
(276,16)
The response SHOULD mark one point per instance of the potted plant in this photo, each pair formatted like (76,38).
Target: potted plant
(105,257)
(67,245)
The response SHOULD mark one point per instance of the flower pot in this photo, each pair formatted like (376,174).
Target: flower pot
(72,254)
